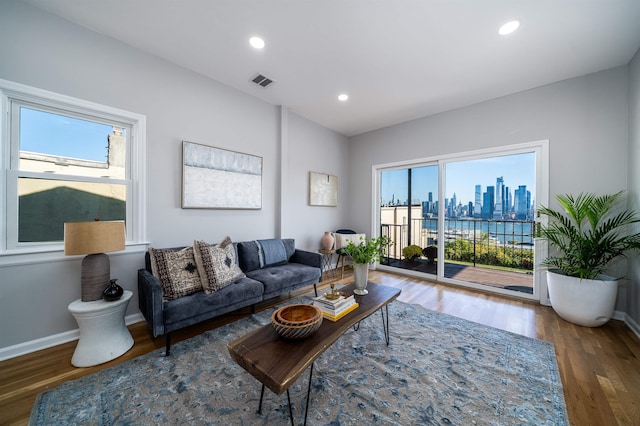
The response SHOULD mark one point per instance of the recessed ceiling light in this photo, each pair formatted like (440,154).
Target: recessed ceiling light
(256,42)
(343,97)
(509,27)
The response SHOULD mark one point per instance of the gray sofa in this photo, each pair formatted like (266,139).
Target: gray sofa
(300,269)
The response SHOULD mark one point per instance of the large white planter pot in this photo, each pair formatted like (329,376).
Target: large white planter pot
(360,277)
(584,302)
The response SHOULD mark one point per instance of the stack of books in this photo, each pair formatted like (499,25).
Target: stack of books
(333,310)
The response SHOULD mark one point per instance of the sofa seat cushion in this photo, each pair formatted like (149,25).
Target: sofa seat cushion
(197,304)
(281,278)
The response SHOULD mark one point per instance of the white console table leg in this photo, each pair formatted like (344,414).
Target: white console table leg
(103,333)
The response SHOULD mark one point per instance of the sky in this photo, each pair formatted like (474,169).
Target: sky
(64,136)
(461,178)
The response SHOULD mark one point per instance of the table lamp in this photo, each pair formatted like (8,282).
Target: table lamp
(94,239)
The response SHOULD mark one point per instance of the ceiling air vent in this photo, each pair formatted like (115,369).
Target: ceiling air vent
(262,80)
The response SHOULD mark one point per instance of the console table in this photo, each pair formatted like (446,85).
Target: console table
(103,333)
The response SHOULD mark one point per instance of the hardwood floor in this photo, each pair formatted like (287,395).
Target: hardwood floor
(600,367)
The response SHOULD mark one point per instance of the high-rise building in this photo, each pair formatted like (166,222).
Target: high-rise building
(499,198)
(522,202)
(487,202)
(478,201)
(506,208)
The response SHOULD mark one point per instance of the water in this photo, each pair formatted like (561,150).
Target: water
(511,232)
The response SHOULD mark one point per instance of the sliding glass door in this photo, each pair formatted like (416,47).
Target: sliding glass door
(409,214)
(489,210)
(467,219)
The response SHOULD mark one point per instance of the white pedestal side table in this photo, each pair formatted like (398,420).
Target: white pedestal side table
(103,333)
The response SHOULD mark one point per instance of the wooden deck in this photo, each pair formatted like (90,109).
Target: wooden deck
(516,281)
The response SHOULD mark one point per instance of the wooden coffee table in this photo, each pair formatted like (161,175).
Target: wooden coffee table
(277,363)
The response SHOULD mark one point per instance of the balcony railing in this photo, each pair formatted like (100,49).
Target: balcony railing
(501,243)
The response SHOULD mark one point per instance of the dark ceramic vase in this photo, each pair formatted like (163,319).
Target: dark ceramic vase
(113,292)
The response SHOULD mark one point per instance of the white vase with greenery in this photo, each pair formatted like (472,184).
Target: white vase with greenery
(364,253)
(360,278)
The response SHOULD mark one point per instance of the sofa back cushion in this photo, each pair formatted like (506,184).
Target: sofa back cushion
(253,255)
(248,257)
(271,252)
(289,246)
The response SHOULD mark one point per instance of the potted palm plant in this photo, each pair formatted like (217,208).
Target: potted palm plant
(585,239)
(364,253)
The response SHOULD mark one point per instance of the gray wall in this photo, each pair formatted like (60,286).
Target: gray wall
(313,148)
(585,120)
(41,50)
(633,292)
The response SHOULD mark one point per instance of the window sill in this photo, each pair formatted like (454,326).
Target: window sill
(54,254)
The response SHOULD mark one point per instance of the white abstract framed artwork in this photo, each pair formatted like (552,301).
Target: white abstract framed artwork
(216,178)
(323,189)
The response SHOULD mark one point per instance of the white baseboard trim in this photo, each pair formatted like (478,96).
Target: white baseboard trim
(618,315)
(133,319)
(633,325)
(54,340)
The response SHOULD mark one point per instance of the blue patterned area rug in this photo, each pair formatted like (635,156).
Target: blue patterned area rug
(437,370)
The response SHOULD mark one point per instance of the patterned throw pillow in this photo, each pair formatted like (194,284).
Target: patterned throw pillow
(217,264)
(177,271)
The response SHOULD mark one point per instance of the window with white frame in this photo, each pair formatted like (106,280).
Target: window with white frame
(66,160)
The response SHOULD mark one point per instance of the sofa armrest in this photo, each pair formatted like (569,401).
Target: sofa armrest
(307,258)
(150,301)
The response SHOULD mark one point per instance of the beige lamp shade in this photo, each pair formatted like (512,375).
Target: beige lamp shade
(93,237)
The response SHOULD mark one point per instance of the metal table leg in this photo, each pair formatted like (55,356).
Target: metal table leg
(385,324)
(290,409)
(306,408)
(260,405)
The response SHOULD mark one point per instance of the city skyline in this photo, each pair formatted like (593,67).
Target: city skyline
(461,178)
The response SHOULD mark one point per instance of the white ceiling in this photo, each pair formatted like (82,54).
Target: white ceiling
(397,59)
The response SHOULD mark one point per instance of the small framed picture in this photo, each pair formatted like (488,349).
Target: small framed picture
(323,189)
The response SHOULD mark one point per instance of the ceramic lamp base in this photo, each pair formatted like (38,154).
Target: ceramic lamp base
(94,276)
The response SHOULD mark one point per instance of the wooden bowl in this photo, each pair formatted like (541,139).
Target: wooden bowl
(305,329)
(296,315)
